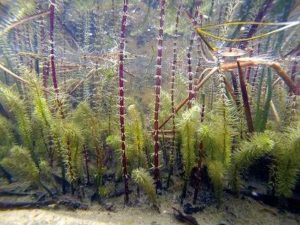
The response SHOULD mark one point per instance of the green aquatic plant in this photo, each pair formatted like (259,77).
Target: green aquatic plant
(136,138)
(144,180)
(216,135)
(72,140)
(91,127)
(261,116)
(188,126)
(250,150)
(217,148)
(12,102)
(6,134)
(287,161)
(25,168)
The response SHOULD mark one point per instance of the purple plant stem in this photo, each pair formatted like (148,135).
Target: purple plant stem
(260,15)
(190,73)
(249,69)
(86,163)
(51,33)
(157,90)
(245,99)
(122,99)
(173,75)
(45,62)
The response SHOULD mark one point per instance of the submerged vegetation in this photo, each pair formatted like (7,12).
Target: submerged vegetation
(228,102)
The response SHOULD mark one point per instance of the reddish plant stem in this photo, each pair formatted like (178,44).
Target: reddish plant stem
(235,87)
(45,62)
(122,99)
(249,69)
(245,99)
(157,90)
(190,73)
(173,75)
(86,163)
(201,148)
(51,33)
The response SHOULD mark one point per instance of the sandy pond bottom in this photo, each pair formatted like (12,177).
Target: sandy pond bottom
(232,212)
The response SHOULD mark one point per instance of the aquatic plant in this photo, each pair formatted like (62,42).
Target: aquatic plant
(261,115)
(136,139)
(287,166)
(245,100)
(188,126)
(216,135)
(251,150)
(13,103)
(143,179)
(241,103)
(172,93)
(158,78)
(52,52)
(26,169)
(122,98)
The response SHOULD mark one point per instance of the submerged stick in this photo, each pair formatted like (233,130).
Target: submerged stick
(13,75)
(245,99)
(18,78)
(245,62)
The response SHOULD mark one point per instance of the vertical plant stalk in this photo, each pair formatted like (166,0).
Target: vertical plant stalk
(86,163)
(173,75)
(157,90)
(245,99)
(201,149)
(190,73)
(45,69)
(201,154)
(235,88)
(122,99)
(52,53)
(267,105)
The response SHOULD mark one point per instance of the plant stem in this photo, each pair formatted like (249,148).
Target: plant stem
(52,58)
(245,99)
(122,99)
(173,74)
(157,91)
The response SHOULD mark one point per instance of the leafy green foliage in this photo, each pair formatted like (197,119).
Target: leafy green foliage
(188,127)
(72,140)
(287,161)
(136,138)
(144,180)
(262,112)
(216,135)
(259,145)
(13,103)
(20,162)
(6,134)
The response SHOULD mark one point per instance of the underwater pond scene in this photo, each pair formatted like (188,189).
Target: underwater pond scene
(149,112)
